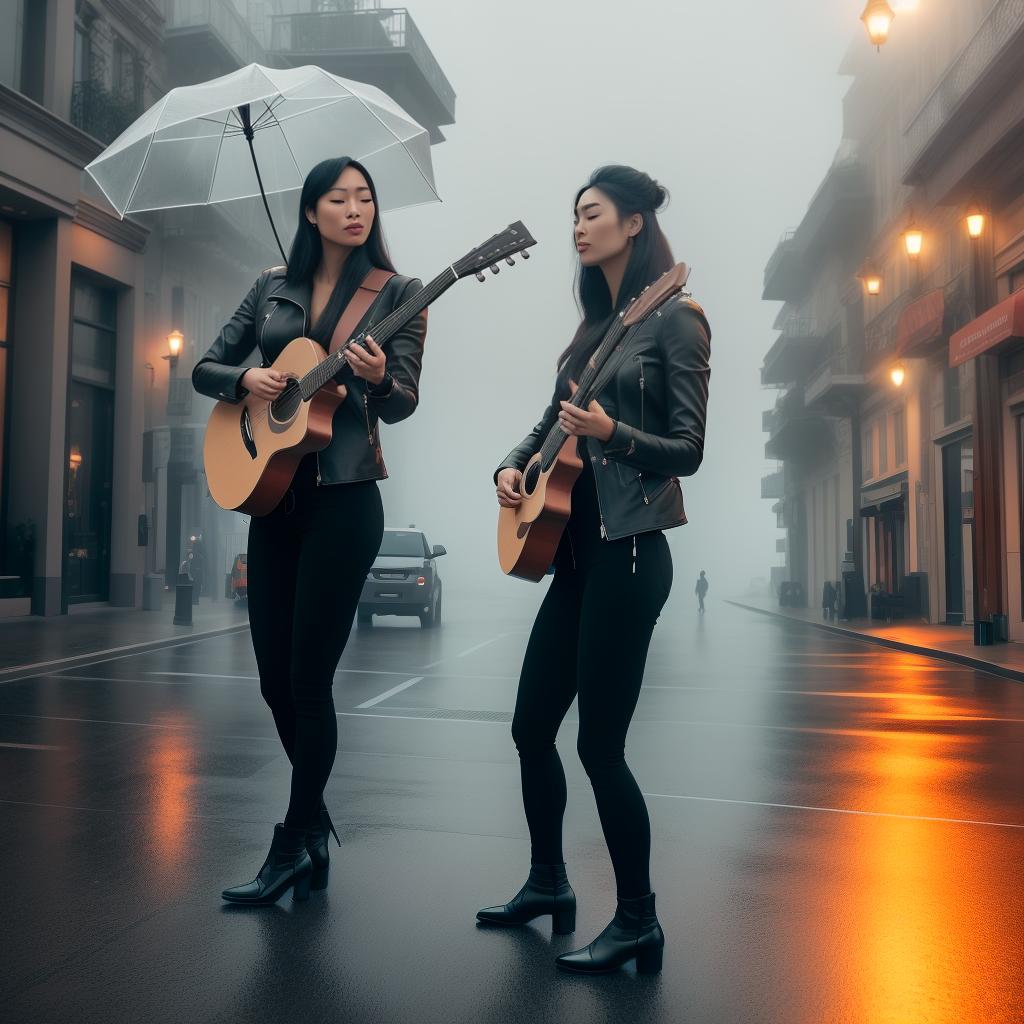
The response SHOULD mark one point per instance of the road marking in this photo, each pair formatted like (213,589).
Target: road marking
(390,693)
(29,746)
(471,650)
(834,810)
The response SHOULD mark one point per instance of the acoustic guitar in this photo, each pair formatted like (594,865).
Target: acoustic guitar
(253,447)
(528,536)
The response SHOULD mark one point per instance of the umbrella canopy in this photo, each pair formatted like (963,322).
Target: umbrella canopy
(260,130)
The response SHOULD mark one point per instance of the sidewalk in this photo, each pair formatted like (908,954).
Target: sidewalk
(949,643)
(33,644)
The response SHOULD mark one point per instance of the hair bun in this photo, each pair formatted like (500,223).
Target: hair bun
(658,195)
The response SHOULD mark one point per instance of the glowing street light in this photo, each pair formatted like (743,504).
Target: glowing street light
(975,221)
(871,278)
(913,239)
(878,17)
(174,342)
(897,375)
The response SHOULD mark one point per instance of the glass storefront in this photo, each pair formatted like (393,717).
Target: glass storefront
(958,514)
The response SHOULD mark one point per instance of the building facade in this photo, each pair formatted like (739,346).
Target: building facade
(101,475)
(898,364)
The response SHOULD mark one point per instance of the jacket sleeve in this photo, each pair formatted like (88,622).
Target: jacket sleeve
(530,445)
(685,351)
(404,362)
(218,374)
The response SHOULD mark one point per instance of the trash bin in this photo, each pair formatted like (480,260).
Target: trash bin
(152,592)
(183,600)
(983,632)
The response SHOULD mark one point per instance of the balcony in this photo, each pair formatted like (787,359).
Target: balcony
(785,276)
(772,486)
(838,210)
(207,38)
(795,351)
(779,510)
(795,432)
(836,387)
(985,70)
(100,113)
(380,46)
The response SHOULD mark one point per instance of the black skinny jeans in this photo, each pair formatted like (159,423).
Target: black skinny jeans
(307,561)
(590,639)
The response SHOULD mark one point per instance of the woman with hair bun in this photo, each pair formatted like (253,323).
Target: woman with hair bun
(613,569)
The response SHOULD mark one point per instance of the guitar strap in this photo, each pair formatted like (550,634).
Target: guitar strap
(359,305)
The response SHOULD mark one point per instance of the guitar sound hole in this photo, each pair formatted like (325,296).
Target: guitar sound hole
(531,479)
(246,429)
(284,407)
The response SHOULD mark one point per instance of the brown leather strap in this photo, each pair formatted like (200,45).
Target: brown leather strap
(359,304)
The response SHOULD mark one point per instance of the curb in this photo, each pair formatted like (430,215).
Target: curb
(980,664)
(14,673)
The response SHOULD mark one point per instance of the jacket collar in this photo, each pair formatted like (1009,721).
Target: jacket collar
(298,292)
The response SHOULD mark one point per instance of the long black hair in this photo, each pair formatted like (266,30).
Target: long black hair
(307,247)
(630,191)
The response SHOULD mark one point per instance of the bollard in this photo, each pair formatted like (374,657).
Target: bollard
(183,601)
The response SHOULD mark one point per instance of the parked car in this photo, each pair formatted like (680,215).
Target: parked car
(239,578)
(404,580)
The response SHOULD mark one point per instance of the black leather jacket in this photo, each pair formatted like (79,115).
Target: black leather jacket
(658,395)
(276,312)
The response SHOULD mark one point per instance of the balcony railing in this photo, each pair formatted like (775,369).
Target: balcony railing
(361,30)
(997,31)
(100,113)
(773,485)
(223,18)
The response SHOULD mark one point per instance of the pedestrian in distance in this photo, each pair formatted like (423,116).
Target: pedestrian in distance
(701,590)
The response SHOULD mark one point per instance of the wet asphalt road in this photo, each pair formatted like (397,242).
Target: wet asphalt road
(838,835)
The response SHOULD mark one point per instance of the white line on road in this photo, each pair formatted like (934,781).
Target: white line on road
(29,746)
(833,810)
(471,650)
(390,693)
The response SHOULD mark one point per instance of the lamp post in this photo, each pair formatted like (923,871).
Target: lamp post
(878,17)
(174,342)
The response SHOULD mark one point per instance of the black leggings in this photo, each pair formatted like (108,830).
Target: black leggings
(591,638)
(307,561)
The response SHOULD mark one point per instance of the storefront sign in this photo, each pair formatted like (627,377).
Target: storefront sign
(996,325)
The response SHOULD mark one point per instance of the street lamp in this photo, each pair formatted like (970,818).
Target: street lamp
(897,375)
(871,278)
(174,343)
(877,18)
(975,221)
(913,238)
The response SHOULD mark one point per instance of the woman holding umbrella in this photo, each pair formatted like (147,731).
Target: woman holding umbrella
(308,558)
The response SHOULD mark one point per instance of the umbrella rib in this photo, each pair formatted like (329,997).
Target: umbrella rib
(216,161)
(291,153)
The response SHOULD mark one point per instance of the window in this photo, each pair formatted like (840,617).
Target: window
(883,445)
(899,436)
(866,454)
(127,74)
(401,544)
(11,14)
(6,246)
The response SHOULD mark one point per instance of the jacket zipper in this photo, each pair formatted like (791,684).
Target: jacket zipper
(640,475)
(600,510)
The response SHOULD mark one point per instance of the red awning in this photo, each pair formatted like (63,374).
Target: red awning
(996,325)
(921,321)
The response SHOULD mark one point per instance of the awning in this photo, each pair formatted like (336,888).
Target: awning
(921,321)
(886,498)
(994,326)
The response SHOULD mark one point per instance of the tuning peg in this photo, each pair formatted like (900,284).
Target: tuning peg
(511,262)
(525,255)
(480,276)
(495,269)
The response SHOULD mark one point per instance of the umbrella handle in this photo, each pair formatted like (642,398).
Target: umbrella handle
(243,116)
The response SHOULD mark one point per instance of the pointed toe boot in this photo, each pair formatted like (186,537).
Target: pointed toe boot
(634,934)
(287,867)
(547,891)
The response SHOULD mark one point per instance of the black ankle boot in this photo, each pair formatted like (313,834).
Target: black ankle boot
(317,845)
(634,934)
(547,891)
(287,866)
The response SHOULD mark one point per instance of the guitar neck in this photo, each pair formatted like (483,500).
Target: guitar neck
(325,372)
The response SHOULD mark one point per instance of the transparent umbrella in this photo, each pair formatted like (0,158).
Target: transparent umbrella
(258,131)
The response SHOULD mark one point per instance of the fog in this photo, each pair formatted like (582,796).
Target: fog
(736,108)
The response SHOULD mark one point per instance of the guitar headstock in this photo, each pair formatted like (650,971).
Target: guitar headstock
(654,295)
(502,246)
